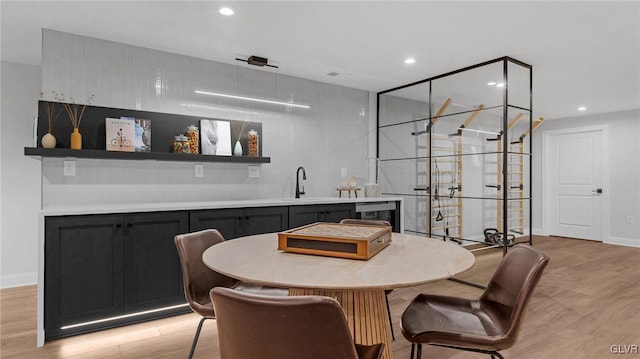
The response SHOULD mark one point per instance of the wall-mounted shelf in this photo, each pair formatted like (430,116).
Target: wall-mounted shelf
(157,156)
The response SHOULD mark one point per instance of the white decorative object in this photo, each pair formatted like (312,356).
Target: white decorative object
(237,150)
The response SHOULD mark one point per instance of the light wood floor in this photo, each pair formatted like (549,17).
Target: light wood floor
(587,300)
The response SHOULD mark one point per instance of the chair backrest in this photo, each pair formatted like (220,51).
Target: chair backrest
(198,279)
(511,287)
(256,326)
(369,222)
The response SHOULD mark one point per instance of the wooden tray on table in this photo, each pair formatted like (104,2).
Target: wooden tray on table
(353,241)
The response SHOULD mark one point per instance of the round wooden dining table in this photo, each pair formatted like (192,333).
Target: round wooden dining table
(358,285)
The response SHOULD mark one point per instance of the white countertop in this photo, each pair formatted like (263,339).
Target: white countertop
(182,206)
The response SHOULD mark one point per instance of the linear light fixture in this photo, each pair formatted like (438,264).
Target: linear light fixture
(290,104)
(122,316)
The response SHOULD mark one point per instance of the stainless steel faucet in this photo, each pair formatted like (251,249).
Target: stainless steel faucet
(304,177)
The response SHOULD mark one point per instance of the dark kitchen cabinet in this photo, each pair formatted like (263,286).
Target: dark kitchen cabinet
(153,277)
(307,214)
(238,222)
(108,265)
(102,266)
(83,271)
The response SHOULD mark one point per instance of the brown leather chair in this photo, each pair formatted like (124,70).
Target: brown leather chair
(375,222)
(198,279)
(254,326)
(485,325)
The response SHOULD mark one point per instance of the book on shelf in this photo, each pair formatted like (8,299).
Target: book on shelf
(143,135)
(120,134)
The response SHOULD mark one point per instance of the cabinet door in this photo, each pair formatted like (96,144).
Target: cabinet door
(303,215)
(227,221)
(265,220)
(336,212)
(153,277)
(83,271)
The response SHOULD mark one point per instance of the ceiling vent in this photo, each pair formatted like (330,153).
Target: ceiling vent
(257,61)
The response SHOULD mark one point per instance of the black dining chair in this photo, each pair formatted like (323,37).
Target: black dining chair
(485,325)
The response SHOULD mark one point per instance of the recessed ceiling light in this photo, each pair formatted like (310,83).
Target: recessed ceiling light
(226,11)
(582,108)
(410,61)
(491,83)
(500,85)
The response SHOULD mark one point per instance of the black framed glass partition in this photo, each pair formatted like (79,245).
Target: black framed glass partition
(457,148)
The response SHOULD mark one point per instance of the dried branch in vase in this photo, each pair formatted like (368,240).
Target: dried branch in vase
(239,128)
(49,110)
(74,110)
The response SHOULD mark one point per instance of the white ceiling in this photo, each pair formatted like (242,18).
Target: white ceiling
(583,53)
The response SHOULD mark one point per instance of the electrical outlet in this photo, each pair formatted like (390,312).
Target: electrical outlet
(69,168)
(254,171)
(199,171)
(629,220)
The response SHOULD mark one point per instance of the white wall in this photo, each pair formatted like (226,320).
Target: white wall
(331,135)
(623,171)
(20,184)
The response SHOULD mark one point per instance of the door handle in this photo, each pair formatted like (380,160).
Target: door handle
(597,190)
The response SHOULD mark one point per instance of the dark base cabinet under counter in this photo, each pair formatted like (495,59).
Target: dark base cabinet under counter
(238,222)
(102,266)
(307,214)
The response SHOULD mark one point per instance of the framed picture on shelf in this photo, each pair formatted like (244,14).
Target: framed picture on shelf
(215,137)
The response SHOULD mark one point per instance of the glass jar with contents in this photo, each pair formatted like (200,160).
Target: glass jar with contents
(194,141)
(253,143)
(181,144)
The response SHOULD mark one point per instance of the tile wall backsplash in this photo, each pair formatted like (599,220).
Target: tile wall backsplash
(331,135)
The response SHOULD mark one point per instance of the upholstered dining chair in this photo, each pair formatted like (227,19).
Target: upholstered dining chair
(485,325)
(198,279)
(375,222)
(267,327)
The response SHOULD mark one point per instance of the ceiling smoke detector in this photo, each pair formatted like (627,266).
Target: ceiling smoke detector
(257,61)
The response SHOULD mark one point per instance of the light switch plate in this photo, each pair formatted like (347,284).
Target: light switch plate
(199,171)
(69,168)
(254,171)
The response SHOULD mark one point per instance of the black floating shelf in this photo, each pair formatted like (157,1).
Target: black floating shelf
(157,156)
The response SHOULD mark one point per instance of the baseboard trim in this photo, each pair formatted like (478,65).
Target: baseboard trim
(621,241)
(18,280)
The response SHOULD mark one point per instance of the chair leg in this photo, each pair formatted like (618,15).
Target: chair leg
(496,354)
(393,336)
(413,349)
(419,355)
(195,339)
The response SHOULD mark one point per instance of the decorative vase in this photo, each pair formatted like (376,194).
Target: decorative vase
(237,150)
(76,139)
(48,141)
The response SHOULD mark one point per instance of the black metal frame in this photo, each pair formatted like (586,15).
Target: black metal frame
(493,353)
(196,337)
(504,137)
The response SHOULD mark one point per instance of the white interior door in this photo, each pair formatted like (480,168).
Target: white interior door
(575,171)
